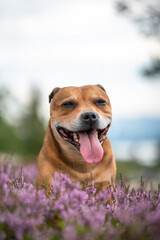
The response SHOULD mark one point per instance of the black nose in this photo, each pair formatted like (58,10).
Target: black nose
(89,117)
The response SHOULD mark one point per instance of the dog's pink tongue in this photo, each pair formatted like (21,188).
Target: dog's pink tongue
(90,147)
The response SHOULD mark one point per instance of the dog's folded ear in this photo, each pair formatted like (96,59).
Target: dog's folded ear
(100,86)
(55,90)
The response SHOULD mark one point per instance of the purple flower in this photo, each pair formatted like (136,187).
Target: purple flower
(70,233)
(72,213)
(90,189)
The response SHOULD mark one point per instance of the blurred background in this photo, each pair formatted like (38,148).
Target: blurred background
(48,44)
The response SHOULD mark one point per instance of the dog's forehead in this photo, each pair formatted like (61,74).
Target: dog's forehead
(93,90)
(81,92)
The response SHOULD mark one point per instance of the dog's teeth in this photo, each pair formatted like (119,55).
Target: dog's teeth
(75,136)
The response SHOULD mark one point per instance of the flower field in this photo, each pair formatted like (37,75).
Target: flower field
(71,213)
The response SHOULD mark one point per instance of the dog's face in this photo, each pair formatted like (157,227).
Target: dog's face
(81,117)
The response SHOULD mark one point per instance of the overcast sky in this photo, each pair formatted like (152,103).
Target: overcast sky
(62,43)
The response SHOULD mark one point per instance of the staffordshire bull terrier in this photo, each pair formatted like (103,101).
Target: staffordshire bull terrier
(76,139)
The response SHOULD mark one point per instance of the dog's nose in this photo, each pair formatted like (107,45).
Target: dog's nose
(89,117)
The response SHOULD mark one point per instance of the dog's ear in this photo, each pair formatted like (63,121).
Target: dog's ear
(55,90)
(100,86)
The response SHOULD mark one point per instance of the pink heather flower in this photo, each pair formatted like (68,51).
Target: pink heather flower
(3,179)
(91,190)
(72,213)
(70,233)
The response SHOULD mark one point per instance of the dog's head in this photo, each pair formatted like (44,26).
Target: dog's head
(81,117)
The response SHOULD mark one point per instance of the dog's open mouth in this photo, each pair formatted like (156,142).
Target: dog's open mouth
(88,142)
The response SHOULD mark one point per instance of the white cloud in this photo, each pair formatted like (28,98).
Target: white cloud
(135,99)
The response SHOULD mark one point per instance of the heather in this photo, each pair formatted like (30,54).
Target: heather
(68,212)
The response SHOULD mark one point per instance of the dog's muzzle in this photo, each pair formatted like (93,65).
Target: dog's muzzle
(88,137)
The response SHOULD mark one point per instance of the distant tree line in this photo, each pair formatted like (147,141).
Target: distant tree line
(23,133)
(146,13)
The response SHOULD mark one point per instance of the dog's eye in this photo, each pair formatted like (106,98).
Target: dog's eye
(101,102)
(68,104)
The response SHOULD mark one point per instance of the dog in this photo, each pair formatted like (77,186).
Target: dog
(76,141)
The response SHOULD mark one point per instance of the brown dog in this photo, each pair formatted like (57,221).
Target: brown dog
(76,140)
